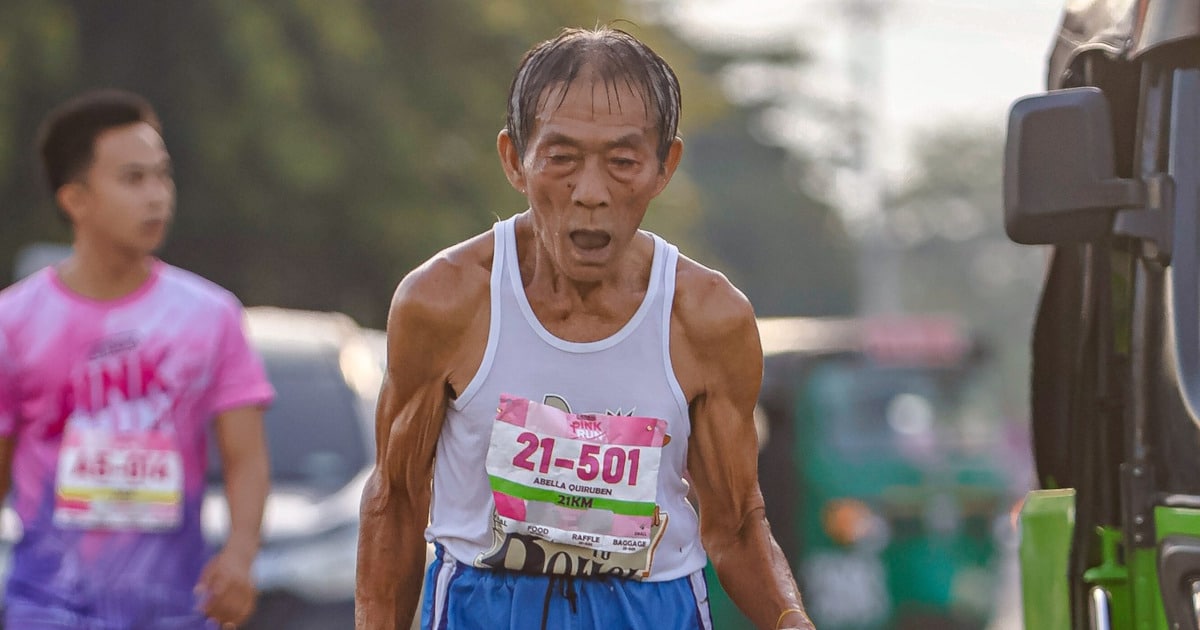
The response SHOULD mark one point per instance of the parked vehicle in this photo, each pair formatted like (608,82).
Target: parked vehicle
(34,256)
(879,473)
(1105,167)
(320,437)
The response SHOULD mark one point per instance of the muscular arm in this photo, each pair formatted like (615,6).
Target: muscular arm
(718,357)
(433,313)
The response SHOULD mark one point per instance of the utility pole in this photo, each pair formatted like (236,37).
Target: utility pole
(878,259)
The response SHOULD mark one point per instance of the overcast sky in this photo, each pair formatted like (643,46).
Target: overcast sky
(942,60)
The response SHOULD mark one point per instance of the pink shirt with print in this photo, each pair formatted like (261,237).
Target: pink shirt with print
(167,358)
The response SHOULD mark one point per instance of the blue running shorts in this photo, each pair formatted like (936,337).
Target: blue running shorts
(462,597)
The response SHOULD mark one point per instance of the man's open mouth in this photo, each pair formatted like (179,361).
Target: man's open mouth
(590,239)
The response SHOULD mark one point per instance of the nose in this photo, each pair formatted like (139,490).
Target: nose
(590,188)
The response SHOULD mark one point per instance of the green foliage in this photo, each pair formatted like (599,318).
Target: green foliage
(777,243)
(322,149)
(38,41)
(773,236)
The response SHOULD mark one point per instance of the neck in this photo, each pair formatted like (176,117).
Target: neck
(544,279)
(553,294)
(104,274)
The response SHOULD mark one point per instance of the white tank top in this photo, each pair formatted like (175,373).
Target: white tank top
(628,373)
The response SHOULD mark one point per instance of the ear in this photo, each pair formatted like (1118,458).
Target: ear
(510,159)
(72,199)
(674,155)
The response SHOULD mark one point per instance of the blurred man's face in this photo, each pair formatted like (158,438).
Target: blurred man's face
(590,170)
(126,198)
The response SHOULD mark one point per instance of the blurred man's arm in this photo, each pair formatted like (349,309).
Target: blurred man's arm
(227,582)
(8,415)
(719,359)
(427,342)
(6,453)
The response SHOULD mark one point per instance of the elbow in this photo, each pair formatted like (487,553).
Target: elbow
(245,467)
(733,535)
(375,498)
(384,498)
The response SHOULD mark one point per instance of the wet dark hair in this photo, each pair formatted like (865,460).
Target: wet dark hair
(613,55)
(66,140)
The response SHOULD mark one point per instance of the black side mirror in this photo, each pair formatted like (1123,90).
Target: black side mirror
(1060,181)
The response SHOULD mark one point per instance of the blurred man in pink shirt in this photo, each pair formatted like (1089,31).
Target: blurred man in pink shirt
(112,364)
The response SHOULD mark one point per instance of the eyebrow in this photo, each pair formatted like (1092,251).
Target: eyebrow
(629,140)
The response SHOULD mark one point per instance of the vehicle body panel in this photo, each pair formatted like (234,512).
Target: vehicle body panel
(1122,29)
(1047,518)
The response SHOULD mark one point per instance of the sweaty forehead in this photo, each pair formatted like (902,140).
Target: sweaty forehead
(592,97)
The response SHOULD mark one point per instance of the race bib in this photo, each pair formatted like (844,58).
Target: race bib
(585,480)
(130,481)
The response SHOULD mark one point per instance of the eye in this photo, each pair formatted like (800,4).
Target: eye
(623,162)
(561,158)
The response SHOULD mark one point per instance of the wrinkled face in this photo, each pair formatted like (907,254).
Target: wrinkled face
(126,198)
(590,170)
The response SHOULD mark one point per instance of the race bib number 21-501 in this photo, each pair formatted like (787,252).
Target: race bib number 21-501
(585,480)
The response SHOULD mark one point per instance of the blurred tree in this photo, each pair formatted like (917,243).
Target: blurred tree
(322,149)
(764,222)
(785,249)
(37,63)
(947,220)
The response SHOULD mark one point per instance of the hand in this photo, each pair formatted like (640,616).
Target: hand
(226,589)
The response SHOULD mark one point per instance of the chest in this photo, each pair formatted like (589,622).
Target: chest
(119,376)
(596,317)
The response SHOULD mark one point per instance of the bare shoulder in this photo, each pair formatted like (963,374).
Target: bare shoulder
(446,292)
(709,310)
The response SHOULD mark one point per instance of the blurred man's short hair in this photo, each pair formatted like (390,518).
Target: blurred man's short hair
(67,137)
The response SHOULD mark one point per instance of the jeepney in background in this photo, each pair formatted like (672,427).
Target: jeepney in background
(880,474)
